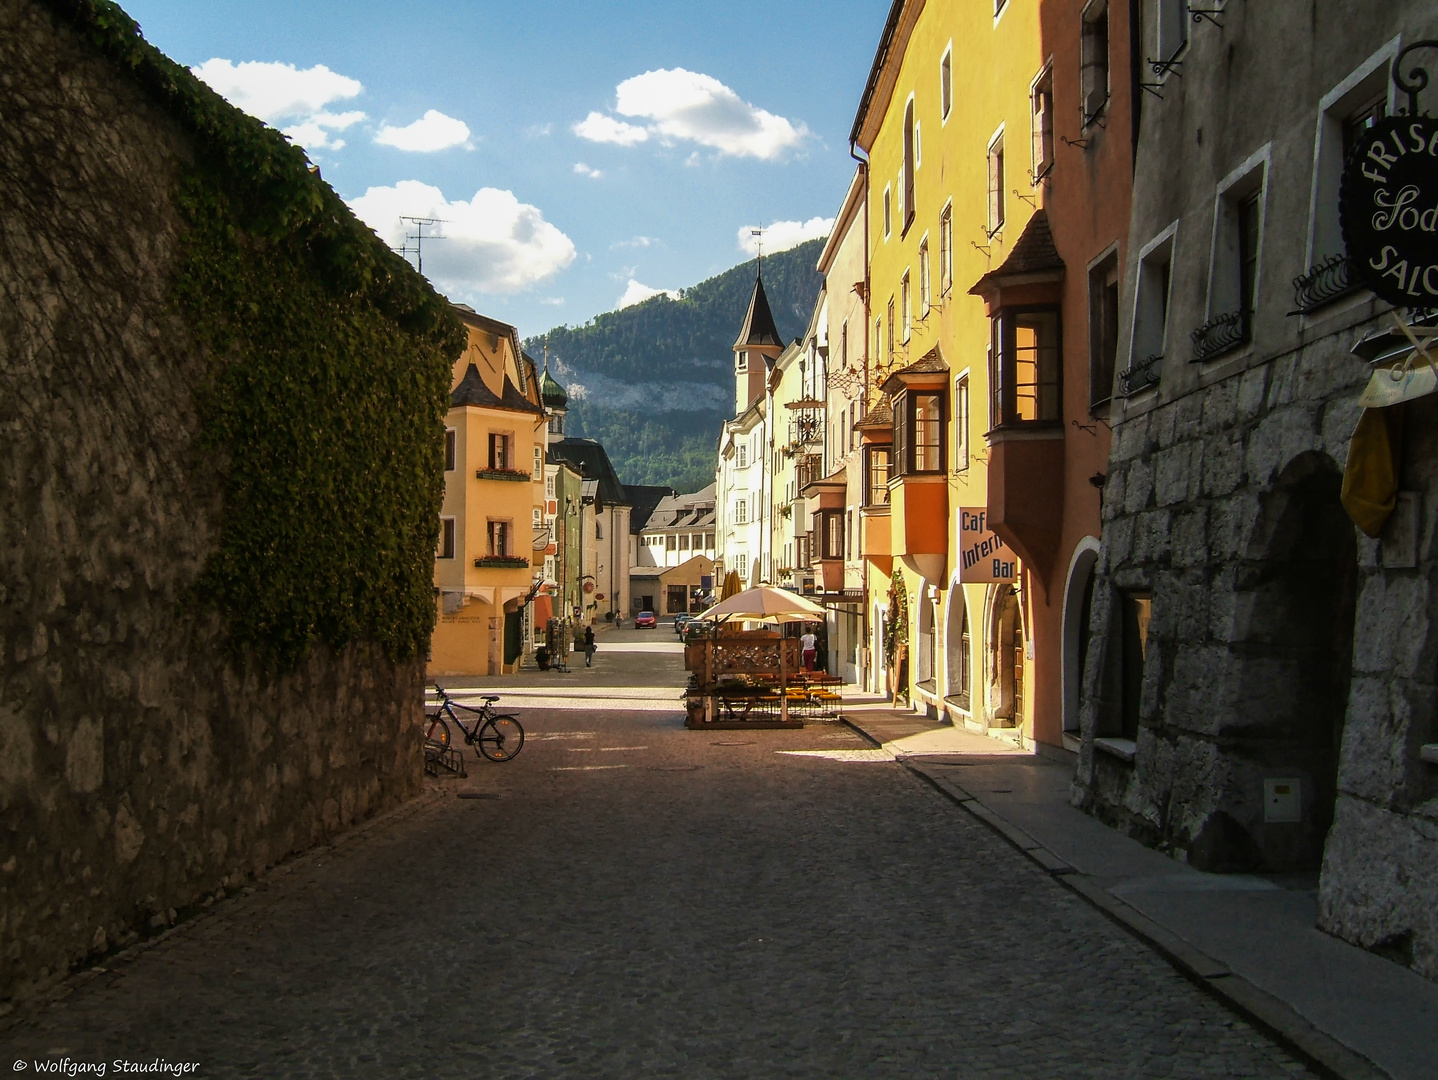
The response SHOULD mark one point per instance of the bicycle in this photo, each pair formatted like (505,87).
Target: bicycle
(497,736)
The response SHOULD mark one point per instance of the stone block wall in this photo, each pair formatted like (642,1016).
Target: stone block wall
(1203,511)
(142,769)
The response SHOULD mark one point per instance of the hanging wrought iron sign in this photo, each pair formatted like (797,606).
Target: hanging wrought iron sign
(1388,201)
(1389,210)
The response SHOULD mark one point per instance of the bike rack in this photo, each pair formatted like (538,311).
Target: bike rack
(438,757)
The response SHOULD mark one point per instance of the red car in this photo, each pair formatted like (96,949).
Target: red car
(645,620)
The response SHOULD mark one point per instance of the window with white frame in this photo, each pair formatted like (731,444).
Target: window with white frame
(1094,70)
(889,314)
(538,472)
(906,178)
(961,423)
(549,568)
(1344,113)
(451,449)
(549,486)
(888,211)
(538,518)
(946,249)
(1150,313)
(906,305)
(741,456)
(1042,124)
(946,83)
(1171,31)
(996,183)
(741,361)
(878,338)
(925,292)
(1235,265)
(741,511)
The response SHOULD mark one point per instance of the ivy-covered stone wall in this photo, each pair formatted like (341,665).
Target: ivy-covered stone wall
(221,403)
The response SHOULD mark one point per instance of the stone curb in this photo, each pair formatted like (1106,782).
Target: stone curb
(1318,1050)
(244,898)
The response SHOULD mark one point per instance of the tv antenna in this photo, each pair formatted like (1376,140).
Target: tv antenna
(414,241)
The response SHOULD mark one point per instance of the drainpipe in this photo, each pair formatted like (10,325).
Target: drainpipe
(864,395)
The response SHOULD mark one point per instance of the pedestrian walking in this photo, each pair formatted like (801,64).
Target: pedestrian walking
(808,649)
(589,646)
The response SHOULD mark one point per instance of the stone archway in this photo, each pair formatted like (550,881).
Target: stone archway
(958,655)
(1293,651)
(1006,659)
(1077,612)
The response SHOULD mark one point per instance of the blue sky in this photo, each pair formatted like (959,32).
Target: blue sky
(575,148)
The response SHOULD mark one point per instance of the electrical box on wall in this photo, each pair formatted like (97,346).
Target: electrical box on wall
(1282,801)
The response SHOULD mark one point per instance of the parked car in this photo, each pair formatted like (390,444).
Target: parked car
(645,620)
(682,620)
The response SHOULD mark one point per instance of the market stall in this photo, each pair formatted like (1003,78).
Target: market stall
(752,678)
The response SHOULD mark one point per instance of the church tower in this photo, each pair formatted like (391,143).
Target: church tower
(556,403)
(756,348)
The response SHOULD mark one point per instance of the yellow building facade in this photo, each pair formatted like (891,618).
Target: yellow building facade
(493,504)
(945,122)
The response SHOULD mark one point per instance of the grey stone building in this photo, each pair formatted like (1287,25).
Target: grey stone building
(1262,679)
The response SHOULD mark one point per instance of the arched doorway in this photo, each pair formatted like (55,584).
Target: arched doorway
(1078,608)
(1006,664)
(1294,647)
(957,649)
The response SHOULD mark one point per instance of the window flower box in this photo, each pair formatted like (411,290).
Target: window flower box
(518,476)
(501,562)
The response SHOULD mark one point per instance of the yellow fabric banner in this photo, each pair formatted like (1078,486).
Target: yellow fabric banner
(1370,479)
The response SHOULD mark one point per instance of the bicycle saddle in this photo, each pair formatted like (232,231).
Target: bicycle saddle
(490,697)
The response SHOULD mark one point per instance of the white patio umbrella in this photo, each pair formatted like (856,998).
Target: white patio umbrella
(766,603)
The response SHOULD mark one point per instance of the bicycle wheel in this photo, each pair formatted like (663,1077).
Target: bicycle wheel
(437,732)
(501,738)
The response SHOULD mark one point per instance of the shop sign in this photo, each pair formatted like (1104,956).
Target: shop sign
(984,558)
(1389,210)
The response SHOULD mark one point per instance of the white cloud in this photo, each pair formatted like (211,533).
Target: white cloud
(584,170)
(275,92)
(682,105)
(552,301)
(492,243)
(596,127)
(783,235)
(636,293)
(633,242)
(315,133)
(432,131)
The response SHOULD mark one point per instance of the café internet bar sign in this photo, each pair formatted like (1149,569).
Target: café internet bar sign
(984,558)
(1389,210)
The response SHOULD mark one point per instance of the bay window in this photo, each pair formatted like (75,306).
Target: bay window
(1024,363)
(919,417)
(876,476)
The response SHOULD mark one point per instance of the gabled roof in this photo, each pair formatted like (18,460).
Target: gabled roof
(931,363)
(593,463)
(472,391)
(677,511)
(758,331)
(643,498)
(1033,259)
(499,329)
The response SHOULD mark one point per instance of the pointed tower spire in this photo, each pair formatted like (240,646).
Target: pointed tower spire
(758,333)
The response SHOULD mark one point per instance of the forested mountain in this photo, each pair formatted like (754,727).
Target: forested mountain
(655,381)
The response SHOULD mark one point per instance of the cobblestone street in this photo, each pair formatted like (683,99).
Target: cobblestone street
(631,899)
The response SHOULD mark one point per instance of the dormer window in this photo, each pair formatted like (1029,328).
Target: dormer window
(742,363)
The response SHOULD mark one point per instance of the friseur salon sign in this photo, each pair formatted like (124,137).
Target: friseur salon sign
(984,558)
(1389,210)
